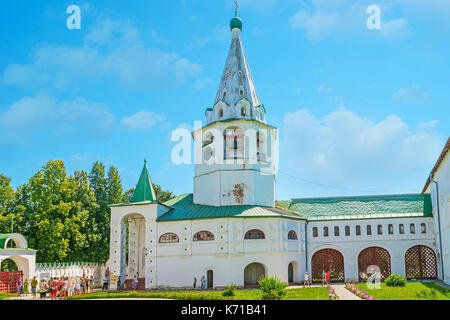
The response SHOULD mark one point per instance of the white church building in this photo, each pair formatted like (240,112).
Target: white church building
(232,229)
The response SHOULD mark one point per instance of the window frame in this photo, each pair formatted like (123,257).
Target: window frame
(248,234)
(169,234)
(203,232)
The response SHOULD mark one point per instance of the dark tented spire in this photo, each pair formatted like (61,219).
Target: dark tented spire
(144,188)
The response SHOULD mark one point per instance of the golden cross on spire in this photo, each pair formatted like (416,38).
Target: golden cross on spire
(236,6)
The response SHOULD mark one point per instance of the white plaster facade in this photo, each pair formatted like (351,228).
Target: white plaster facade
(441,177)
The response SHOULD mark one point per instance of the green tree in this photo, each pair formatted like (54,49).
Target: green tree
(114,190)
(87,205)
(7,205)
(52,217)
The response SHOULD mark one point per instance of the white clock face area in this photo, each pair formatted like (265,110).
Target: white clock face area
(207,153)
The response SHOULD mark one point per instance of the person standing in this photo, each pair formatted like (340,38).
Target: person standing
(54,288)
(324,278)
(135,282)
(19,287)
(25,288)
(118,283)
(328,277)
(203,283)
(43,288)
(306,282)
(195,282)
(91,284)
(105,283)
(34,284)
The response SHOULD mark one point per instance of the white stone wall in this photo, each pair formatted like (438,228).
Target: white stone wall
(350,246)
(246,180)
(229,253)
(442,176)
(77,270)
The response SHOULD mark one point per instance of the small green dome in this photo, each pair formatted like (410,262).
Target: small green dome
(236,23)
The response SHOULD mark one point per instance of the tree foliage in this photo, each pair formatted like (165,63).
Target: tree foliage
(65,217)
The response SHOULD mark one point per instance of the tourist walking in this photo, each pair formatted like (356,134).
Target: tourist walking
(306,282)
(328,277)
(195,282)
(324,278)
(34,284)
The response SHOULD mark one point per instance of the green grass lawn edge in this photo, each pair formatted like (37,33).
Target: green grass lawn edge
(408,292)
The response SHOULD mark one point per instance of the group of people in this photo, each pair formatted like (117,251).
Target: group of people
(325,277)
(56,287)
(203,285)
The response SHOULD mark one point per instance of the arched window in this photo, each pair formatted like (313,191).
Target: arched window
(254,234)
(390,229)
(423,228)
(224,94)
(369,230)
(220,113)
(380,229)
(315,233)
(401,229)
(358,230)
(336,231)
(412,228)
(243,111)
(347,230)
(203,236)
(292,235)
(169,238)
(325,231)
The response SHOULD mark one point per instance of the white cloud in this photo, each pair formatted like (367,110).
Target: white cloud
(345,150)
(42,114)
(112,49)
(414,94)
(343,18)
(142,120)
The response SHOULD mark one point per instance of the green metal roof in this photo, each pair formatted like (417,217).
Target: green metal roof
(183,208)
(144,188)
(362,207)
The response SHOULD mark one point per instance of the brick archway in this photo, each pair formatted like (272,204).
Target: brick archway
(374,256)
(420,263)
(328,260)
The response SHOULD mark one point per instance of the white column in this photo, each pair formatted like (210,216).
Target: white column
(151,279)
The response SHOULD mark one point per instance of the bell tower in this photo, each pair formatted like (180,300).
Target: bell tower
(235,164)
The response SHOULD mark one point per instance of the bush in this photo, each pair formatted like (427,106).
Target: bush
(229,291)
(395,280)
(272,288)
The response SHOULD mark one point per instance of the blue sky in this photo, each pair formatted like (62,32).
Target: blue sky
(359,111)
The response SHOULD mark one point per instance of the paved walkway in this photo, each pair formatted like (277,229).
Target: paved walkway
(344,294)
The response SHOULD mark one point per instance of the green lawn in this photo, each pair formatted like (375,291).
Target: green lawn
(407,292)
(315,293)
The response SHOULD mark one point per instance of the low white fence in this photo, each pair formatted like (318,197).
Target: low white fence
(71,269)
